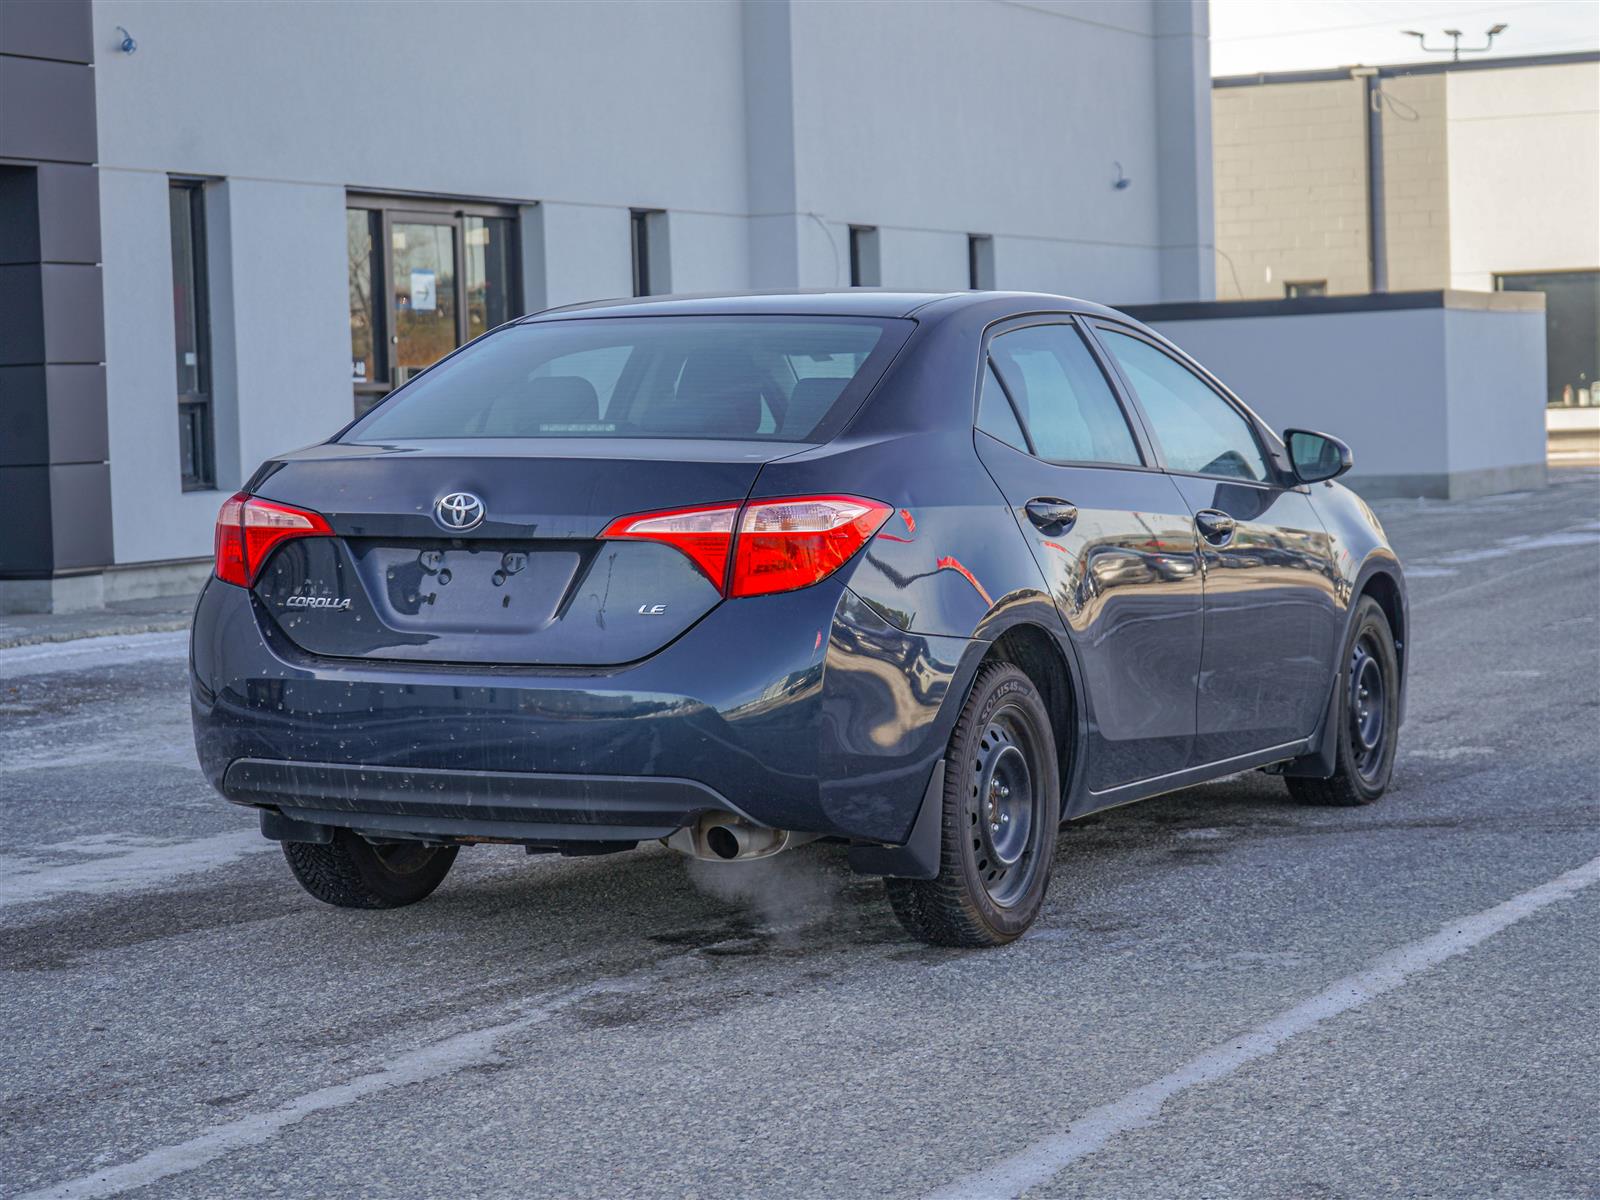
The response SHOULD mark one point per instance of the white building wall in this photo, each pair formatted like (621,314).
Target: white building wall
(1524,154)
(762,130)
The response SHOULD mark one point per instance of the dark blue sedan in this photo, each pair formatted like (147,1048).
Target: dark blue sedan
(926,575)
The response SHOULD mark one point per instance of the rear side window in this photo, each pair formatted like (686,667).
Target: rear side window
(1062,395)
(1199,432)
(786,379)
(995,414)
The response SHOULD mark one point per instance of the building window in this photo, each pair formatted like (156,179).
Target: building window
(191,320)
(980,262)
(424,278)
(864,256)
(1305,287)
(1571,332)
(648,228)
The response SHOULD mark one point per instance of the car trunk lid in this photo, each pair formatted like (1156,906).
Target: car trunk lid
(531,583)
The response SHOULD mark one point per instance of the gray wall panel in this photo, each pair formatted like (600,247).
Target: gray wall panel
(74,313)
(47,111)
(80,507)
(69,213)
(62,29)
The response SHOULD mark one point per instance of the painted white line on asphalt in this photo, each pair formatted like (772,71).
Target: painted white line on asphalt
(86,653)
(142,867)
(1046,1158)
(434,1061)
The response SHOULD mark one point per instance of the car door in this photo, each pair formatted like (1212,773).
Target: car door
(1112,536)
(1271,613)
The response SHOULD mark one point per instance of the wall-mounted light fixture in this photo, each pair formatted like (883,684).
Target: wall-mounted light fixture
(127,45)
(1121,182)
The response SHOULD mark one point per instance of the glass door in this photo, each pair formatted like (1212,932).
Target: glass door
(423,281)
(425,277)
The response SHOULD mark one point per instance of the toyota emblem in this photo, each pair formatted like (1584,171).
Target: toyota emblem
(459,511)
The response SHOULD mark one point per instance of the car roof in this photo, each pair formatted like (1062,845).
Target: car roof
(854,302)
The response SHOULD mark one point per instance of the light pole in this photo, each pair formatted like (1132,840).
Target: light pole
(1456,49)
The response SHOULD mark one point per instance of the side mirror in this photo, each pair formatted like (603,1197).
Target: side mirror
(1316,456)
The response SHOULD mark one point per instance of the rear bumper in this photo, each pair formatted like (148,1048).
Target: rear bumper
(804,711)
(493,804)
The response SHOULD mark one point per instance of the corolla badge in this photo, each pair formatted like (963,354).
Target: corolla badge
(318,602)
(459,510)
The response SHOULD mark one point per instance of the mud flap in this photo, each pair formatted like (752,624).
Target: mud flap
(279,828)
(1322,762)
(918,858)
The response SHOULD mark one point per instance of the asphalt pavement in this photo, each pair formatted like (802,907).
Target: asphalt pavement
(1227,995)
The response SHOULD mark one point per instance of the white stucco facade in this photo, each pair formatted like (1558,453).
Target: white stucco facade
(762,130)
(1524,170)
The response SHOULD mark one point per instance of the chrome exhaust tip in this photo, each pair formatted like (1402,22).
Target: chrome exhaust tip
(723,837)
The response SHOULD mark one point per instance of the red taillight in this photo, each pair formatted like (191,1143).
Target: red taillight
(249,527)
(701,533)
(781,545)
(795,542)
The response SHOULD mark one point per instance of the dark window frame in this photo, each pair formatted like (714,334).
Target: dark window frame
(196,411)
(399,208)
(977,244)
(639,222)
(858,235)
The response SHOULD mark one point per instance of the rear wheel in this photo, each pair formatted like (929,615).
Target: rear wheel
(1002,806)
(351,872)
(1369,714)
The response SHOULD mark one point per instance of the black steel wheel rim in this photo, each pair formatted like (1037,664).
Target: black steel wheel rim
(1002,807)
(1368,706)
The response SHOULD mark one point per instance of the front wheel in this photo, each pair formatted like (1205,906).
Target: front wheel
(1369,717)
(1002,807)
(351,872)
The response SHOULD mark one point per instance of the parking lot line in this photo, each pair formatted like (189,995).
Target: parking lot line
(1137,1109)
(433,1061)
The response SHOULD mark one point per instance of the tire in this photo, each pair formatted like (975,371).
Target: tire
(1369,723)
(351,872)
(992,872)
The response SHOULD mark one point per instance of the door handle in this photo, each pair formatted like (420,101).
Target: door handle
(1216,527)
(1050,514)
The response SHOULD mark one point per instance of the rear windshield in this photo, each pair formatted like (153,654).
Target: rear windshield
(782,379)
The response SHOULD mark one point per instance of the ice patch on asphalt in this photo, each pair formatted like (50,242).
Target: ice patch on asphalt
(90,653)
(134,863)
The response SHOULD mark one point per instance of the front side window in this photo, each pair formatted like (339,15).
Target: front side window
(191,322)
(1062,396)
(789,379)
(1198,431)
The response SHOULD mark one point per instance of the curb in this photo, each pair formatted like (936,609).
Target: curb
(43,637)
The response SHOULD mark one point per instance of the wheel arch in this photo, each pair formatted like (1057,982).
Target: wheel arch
(1380,578)
(1039,655)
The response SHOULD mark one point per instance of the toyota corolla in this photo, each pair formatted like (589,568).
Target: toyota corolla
(924,575)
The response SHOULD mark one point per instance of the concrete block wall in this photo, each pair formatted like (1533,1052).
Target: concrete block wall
(1291,180)
(1416,181)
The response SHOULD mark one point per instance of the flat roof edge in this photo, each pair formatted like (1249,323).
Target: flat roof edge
(1390,70)
(1307,306)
